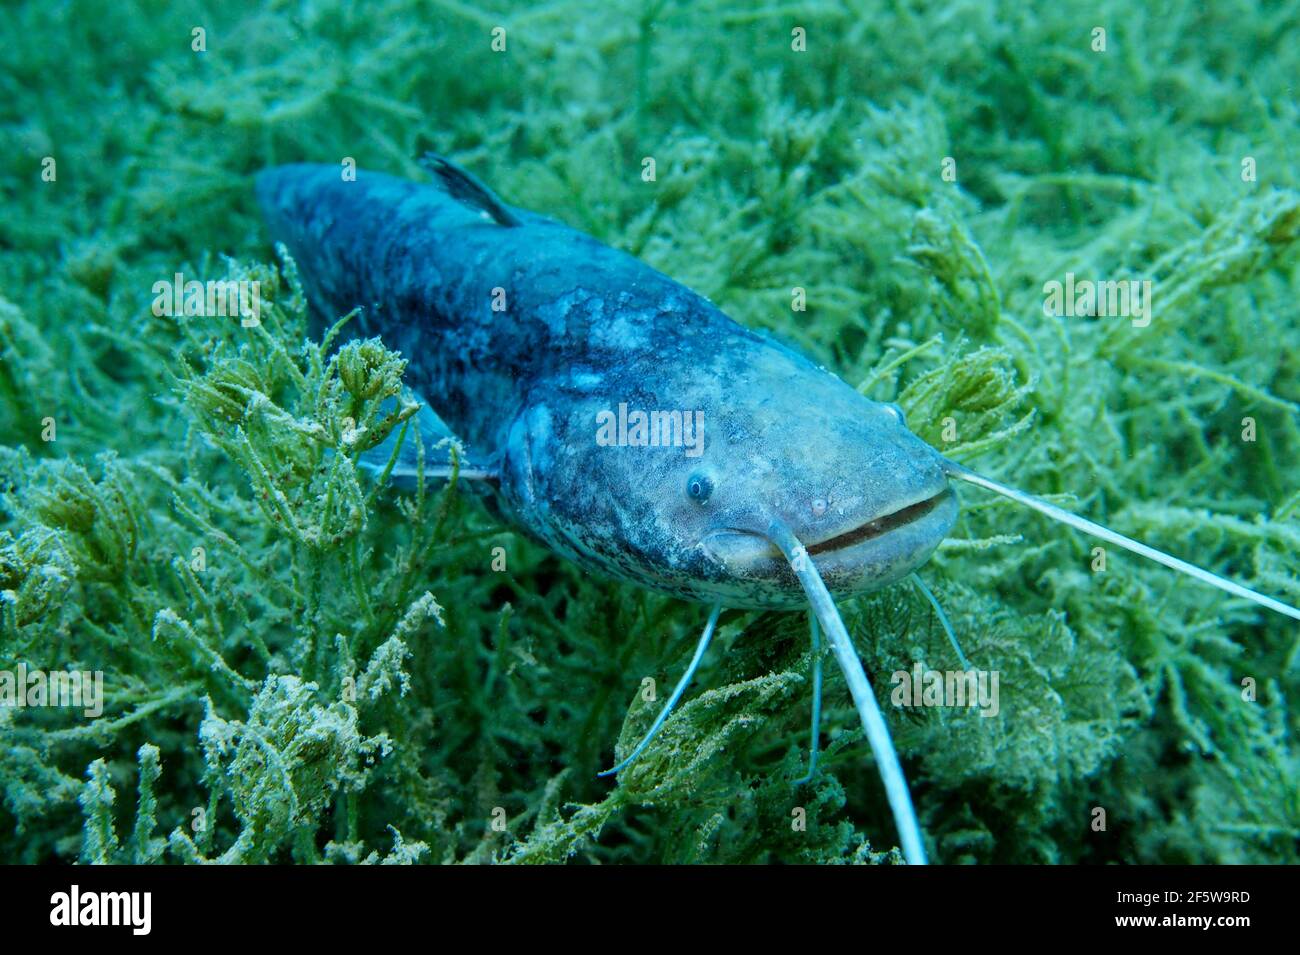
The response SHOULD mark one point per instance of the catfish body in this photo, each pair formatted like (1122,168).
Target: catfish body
(525,336)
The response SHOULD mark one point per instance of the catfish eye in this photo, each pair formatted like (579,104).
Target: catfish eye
(699,487)
(896,411)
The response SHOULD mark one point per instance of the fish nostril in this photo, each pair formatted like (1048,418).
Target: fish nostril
(819,506)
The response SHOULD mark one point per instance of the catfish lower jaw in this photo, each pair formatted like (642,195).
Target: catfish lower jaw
(734,544)
(879,526)
(864,558)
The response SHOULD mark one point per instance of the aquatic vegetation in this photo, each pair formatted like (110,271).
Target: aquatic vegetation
(300,664)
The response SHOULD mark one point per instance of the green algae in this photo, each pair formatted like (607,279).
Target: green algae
(300,665)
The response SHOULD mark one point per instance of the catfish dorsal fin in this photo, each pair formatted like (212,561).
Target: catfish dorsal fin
(464,187)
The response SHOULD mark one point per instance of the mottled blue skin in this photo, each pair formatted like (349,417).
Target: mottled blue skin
(584,328)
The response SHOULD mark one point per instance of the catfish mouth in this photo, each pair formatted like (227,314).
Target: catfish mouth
(878,526)
(732,544)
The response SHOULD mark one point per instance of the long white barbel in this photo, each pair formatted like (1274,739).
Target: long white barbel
(873,722)
(1119,540)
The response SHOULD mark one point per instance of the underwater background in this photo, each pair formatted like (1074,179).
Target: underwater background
(301,666)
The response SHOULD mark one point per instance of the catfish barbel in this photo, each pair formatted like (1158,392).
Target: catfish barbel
(528,338)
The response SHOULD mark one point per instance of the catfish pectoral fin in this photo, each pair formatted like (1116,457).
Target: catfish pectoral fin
(444,455)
